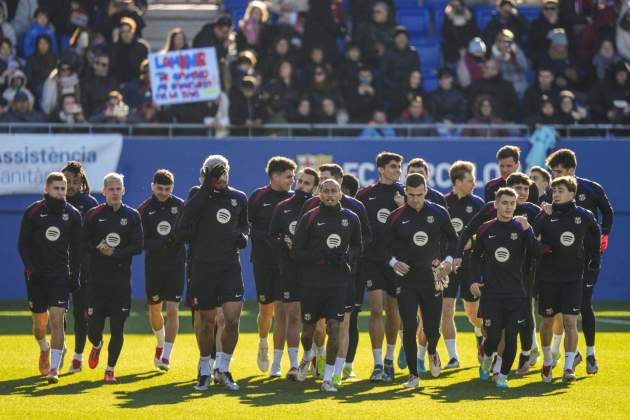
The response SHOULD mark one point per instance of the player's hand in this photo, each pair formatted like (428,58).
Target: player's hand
(446,268)
(399,199)
(107,250)
(288,242)
(523,221)
(475,289)
(468,245)
(401,268)
(211,176)
(457,262)
(546,207)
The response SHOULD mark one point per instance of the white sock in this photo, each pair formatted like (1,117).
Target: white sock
(225,367)
(109,368)
(308,355)
(348,365)
(555,343)
(293,356)
(263,342)
(389,353)
(378,357)
(569,358)
(204,366)
(590,351)
(526,353)
(168,348)
(478,332)
(422,351)
(78,356)
(55,358)
(534,340)
(160,335)
(497,365)
(329,372)
(339,363)
(451,346)
(219,363)
(320,350)
(43,344)
(548,358)
(211,364)
(277,357)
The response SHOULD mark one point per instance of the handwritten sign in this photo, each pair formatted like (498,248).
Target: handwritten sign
(184,76)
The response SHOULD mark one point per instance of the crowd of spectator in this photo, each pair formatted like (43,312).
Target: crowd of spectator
(321,61)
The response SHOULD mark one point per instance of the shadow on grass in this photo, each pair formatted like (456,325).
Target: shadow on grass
(36,386)
(170,393)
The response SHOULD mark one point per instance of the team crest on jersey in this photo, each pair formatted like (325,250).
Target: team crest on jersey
(369,283)
(549,311)
(123,222)
(287,295)
(234,202)
(578,220)
(582,197)
(513,236)
(344,222)
(307,317)
(262,298)
(487,322)
(469,209)
(174,210)
(90,311)
(65,217)
(155,298)
(430,219)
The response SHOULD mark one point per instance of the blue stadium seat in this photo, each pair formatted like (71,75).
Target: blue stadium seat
(429,82)
(417,22)
(430,58)
(407,5)
(484,15)
(528,12)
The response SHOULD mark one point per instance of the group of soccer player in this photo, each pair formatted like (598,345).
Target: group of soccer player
(319,242)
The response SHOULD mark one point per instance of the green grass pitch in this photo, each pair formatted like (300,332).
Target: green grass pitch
(143,392)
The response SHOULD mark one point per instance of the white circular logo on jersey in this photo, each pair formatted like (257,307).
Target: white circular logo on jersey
(567,238)
(223,216)
(502,254)
(292,226)
(420,238)
(112,239)
(53,233)
(164,228)
(333,241)
(457,223)
(582,197)
(382,215)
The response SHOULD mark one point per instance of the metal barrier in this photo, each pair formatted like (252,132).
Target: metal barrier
(322,131)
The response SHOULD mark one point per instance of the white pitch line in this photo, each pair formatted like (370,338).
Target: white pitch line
(613,321)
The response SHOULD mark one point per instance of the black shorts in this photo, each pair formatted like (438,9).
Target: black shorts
(351,294)
(560,297)
(212,286)
(377,276)
(460,281)
(323,302)
(164,283)
(290,279)
(500,312)
(268,281)
(45,292)
(109,299)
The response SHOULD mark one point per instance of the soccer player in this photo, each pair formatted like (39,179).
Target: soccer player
(282,231)
(50,248)
(164,263)
(356,289)
(414,241)
(380,199)
(78,194)
(498,261)
(542,178)
(327,238)
(508,158)
(264,257)
(218,213)
(420,166)
(570,236)
(462,205)
(112,235)
(350,185)
(591,196)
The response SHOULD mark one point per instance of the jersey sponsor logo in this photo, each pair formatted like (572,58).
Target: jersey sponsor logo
(457,223)
(382,215)
(469,209)
(333,241)
(174,210)
(578,220)
(123,222)
(112,239)
(65,217)
(567,238)
(430,219)
(344,222)
(420,238)
(163,228)
(582,197)
(513,236)
(292,226)
(53,233)
(502,254)
(223,216)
